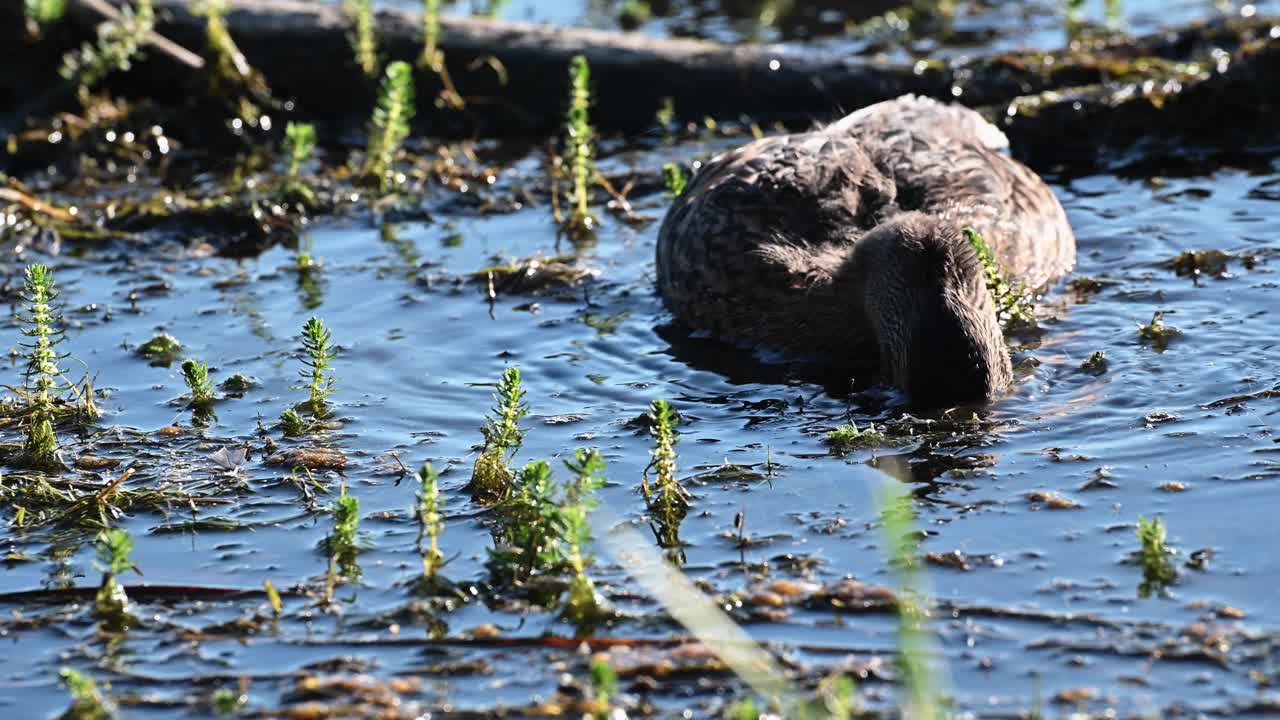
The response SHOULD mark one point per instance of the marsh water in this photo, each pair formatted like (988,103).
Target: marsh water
(1028,507)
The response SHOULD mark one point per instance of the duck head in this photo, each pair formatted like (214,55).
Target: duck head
(926,300)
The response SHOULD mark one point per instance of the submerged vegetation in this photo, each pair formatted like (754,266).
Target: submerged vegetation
(1158,571)
(117,47)
(667,499)
(430,521)
(43,383)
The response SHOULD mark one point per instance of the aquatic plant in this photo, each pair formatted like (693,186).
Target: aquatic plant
(1095,364)
(389,126)
(634,13)
(42,383)
(604,683)
(433,57)
(118,44)
(430,520)
(491,476)
(667,499)
(161,350)
(847,438)
(922,699)
(342,544)
(666,113)
(44,12)
(87,702)
(579,149)
(674,180)
(299,143)
(111,603)
(196,375)
(583,604)
(273,597)
(292,424)
(232,76)
(1157,332)
(1158,571)
(1015,306)
(364,39)
(317,343)
(228,702)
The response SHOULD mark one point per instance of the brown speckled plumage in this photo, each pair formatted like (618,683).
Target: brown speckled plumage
(844,243)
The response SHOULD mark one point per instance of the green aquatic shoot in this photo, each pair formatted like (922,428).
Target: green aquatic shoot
(491,476)
(1015,306)
(117,46)
(114,548)
(849,437)
(922,700)
(342,542)
(579,150)
(667,499)
(292,424)
(1158,571)
(200,386)
(389,126)
(299,144)
(1157,332)
(674,180)
(583,604)
(317,372)
(604,683)
(43,378)
(87,702)
(432,56)
(430,521)
(44,12)
(231,71)
(364,39)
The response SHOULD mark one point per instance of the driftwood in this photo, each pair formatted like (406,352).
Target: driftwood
(1206,82)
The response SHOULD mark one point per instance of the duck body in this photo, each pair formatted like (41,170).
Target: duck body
(846,244)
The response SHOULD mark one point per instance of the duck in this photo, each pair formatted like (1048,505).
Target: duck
(848,244)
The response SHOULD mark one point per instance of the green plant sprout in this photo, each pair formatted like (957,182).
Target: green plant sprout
(112,604)
(491,476)
(317,343)
(847,438)
(430,521)
(583,605)
(1157,332)
(87,702)
(364,41)
(579,149)
(292,424)
(674,180)
(667,499)
(604,682)
(43,384)
(196,375)
(1015,307)
(922,699)
(433,57)
(1158,571)
(161,350)
(44,12)
(232,76)
(299,144)
(118,44)
(389,126)
(343,547)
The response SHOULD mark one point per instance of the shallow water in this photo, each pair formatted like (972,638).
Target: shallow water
(1050,602)
(415,371)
